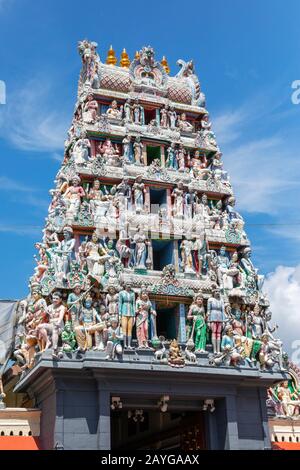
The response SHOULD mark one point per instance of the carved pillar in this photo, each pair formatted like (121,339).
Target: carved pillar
(176,256)
(104,420)
(162,156)
(181,325)
(145,154)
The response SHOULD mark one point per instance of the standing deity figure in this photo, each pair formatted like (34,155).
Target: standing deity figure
(203,211)
(89,324)
(237,322)
(110,152)
(96,196)
(80,152)
(90,110)
(128,111)
(183,124)
(51,331)
(216,318)
(74,304)
(172,117)
(73,196)
(140,251)
(63,254)
(252,281)
(178,195)
(164,116)
(138,113)
(127,154)
(144,310)
(68,338)
(257,324)
(197,316)
(222,270)
(112,301)
(93,257)
(181,153)
(217,167)
(138,151)
(289,404)
(171,161)
(123,197)
(127,313)
(113,112)
(139,192)
(201,254)
(114,339)
(199,166)
(189,203)
(186,254)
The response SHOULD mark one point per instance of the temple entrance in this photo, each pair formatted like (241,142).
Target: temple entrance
(154,430)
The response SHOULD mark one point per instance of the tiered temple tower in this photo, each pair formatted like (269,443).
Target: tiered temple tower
(146,325)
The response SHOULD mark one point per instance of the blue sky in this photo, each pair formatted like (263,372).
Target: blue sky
(246,56)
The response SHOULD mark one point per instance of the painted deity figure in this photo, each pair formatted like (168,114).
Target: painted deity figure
(112,301)
(51,331)
(183,124)
(201,255)
(164,116)
(74,304)
(123,196)
(216,318)
(80,152)
(198,166)
(140,251)
(144,310)
(138,112)
(231,353)
(257,324)
(128,111)
(202,210)
(114,339)
(113,112)
(197,316)
(97,200)
(68,338)
(223,267)
(237,323)
(90,110)
(172,117)
(251,280)
(73,196)
(110,152)
(63,253)
(127,313)
(90,324)
(189,203)
(93,248)
(138,151)
(139,191)
(186,254)
(127,155)
(217,167)
(178,195)
(180,156)
(171,161)
(289,404)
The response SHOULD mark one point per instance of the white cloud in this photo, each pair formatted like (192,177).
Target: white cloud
(30,230)
(283,289)
(7,184)
(29,120)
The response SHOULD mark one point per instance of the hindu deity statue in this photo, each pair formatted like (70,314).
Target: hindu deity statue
(114,339)
(186,255)
(51,331)
(256,322)
(127,154)
(290,401)
(164,116)
(144,310)
(73,304)
(80,152)
(73,196)
(216,318)
(237,322)
(138,113)
(201,255)
(207,134)
(123,196)
(110,152)
(183,124)
(90,325)
(112,301)
(113,112)
(128,111)
(231,353)
(172,117)
(139,192)
(197,316)
(63,254)
(95,253)
(180,156)
(198,165)
(68,338)
(171,161)
(127,313)
(141,252)
(178,195)
(222,270)
(138,151)
(234,218)
(251,280)
(216,167)
(96,198)
(189,203)
(90,110)
(175,358)
(202,210)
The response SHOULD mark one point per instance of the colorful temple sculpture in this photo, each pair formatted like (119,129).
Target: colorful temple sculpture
(145,300)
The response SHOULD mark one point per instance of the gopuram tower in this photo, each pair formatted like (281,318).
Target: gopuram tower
(146,326)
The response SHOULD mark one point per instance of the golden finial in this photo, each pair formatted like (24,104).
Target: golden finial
(165,64)
(137,55)
(111,57)
(124,62)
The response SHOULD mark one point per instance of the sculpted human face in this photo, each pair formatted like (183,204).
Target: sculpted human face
(199,301)
(144,296)
(204,199)
(77,290)
(96,184)
(56,300)
(94,237)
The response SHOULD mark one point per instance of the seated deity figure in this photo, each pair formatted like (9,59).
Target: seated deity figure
(110,152)
(138,113)
(232,354)
(186,255)
(139,192)
(63,254)
(171,161)
(183,124)
(138,151)
(127,153)
(113,112)
(197,316)
(217,167)
(114,339)
(251,280)
(180,156)
(51,331)
(127,313)
(80,152)
(128,111)
(290,401)
(234,218)
(73,196)
(178,197)
(90,324)
(202,210)
(90,110)
(198,166)
(164,116)
(144,310)
(172,117)
(216,318)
